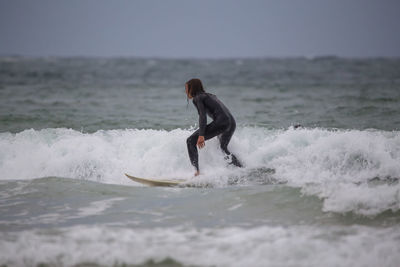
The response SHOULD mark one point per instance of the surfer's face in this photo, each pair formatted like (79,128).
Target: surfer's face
(187,91)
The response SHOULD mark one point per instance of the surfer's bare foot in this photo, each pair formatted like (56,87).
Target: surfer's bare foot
(197,173)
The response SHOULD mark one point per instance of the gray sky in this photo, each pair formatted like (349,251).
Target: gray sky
(200,29)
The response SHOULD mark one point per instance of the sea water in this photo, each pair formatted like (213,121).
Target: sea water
(323,194)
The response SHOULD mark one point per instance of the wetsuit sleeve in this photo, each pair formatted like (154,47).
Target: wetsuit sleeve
(199,103)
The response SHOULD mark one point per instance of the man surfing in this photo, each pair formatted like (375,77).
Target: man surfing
(223,124)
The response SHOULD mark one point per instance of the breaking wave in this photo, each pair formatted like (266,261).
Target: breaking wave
(350,170)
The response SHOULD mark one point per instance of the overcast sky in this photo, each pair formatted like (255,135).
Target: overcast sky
(200,29)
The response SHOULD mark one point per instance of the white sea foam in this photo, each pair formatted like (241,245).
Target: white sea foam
(337,166)
(260,246)
(97,207)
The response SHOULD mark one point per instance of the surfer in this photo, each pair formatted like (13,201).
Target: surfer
(223,124)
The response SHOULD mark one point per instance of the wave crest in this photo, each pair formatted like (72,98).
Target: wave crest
(351,170)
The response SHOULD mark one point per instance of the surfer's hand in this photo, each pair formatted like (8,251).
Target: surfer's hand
(200,142)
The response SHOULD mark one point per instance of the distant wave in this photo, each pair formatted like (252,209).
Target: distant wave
(260,246)
(350,170)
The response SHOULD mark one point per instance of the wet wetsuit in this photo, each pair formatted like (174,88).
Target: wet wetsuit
(223,125)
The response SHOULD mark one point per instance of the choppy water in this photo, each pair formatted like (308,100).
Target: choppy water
(326,194)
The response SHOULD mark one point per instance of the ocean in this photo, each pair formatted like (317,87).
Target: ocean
(326,193)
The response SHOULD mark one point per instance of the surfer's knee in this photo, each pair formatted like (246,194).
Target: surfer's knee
(190,141)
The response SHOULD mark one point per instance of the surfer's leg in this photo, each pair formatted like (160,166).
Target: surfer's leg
(213,129)
(192,149)
(224,140)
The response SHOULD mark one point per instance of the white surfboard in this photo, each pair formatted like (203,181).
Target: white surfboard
(154,182)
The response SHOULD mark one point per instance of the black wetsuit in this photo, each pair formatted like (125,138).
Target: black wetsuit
(223,125)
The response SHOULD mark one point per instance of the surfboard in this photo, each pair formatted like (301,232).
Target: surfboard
(154,182)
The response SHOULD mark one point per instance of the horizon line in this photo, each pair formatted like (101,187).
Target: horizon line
(322,56)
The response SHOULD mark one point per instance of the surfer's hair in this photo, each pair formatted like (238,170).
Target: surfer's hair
(195,87)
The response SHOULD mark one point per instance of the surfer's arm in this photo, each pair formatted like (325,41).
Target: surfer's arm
(202,114)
